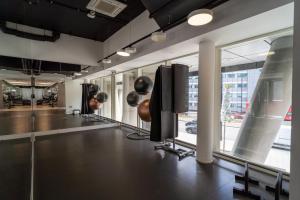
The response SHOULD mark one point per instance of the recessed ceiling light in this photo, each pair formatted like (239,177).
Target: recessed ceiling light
(106,61)
(130,50)
(123,53)
(200,17)
(91,14)
(77,74)
(158,36)
(269,53)
(84,71)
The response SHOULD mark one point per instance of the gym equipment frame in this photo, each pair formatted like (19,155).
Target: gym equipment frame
(171,147)
(247,180)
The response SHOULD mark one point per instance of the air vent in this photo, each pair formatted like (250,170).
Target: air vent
(107,7)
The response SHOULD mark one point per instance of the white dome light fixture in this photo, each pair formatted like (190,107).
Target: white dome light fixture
(200,17)
(130,50)
(123,53)
(158,36)
(106,61)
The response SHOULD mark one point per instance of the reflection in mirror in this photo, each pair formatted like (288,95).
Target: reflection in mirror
(30,92)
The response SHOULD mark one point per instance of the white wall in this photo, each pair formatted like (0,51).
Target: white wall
(73,94)
(295,138)
(69,49)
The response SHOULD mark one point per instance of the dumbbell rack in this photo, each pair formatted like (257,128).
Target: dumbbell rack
(246,180)
(138,135)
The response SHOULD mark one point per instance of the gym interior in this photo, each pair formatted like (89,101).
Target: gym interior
(149,99)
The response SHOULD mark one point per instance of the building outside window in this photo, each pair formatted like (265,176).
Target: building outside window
(256,100)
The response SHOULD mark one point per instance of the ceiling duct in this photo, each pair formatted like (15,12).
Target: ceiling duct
(28,32)
(106,7)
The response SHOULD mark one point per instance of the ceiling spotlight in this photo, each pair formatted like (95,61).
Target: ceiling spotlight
(77,74)
(91,14)
(123,53)
(130,50)
(200,17)
(106,61)
(158,36)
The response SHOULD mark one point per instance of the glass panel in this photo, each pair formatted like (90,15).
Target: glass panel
(119,96)
(150,72)
(187,122)
(129,112)
(256,100)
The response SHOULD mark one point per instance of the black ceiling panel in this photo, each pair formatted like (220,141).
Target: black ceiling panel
(38,66)
(169,11)
(68,16)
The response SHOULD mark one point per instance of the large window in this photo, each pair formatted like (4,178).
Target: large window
(187,122)
(129,112)
(256,100)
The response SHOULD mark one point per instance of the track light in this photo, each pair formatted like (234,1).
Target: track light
(158,36)
(200,17)
(91,14)
(122,52)
(106,61)
(130,50)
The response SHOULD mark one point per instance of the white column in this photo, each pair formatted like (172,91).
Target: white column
(295,138)
(206,102)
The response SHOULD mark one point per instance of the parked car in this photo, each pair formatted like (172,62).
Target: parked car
(191,123)
(237,115)
(192,129)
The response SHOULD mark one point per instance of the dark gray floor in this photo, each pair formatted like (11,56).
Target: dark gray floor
(103,164)
(16,122)
(15,169)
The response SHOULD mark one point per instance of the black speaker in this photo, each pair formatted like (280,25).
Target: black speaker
(166,88)
(180,88)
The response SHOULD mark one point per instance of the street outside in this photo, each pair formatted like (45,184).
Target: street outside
(277,157)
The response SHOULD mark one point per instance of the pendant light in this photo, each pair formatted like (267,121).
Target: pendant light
(200,17)
(123,53)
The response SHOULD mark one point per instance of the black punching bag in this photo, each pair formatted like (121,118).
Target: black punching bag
(86,97)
